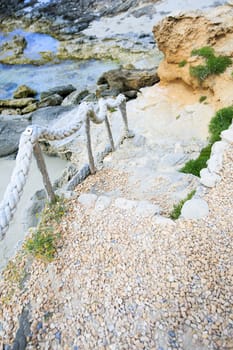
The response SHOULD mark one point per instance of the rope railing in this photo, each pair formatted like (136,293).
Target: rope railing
(29,144)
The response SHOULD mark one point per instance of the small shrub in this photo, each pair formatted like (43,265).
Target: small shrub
(182,63)
(214,64)
(175,214)
(218,65)
(200,72)
(202,99)
(205,52)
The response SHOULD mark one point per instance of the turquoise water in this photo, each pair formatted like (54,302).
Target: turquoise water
(36,43)
(41,78)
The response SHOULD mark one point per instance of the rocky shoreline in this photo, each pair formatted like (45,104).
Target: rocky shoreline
(125,277)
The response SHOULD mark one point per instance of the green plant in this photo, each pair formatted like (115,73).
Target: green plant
(205,51)
(194,166)
(182,63)
(175,214)
(221,121)
(42,243)
(202,98)
(213,65)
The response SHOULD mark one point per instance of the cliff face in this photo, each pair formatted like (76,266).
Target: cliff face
(177,36)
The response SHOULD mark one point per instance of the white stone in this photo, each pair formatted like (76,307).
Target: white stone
(145,208)
(215,163)
(123,203)
(87,199)
(219,147)
(102,203)
(227,135)
(160,220)
(208,179)
(195,209)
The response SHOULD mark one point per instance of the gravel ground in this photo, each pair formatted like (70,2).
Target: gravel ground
(121,281)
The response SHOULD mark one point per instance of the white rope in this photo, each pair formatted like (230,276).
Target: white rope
(33,134)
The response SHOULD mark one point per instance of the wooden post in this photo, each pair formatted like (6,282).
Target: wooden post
(89,150)
(109,133)
(42,167)
(124,117)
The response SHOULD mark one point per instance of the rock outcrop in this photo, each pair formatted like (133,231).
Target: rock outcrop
(123,80)
(10,132)
(177,36)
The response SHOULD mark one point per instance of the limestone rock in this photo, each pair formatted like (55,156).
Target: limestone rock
(219,147)
(215,163)
(10,132)
(13,47)
(102,203)
(52,100)
(63,91)
(160,220)
(24,91)
(195,209)
(75,97)
(209,179)
(30,108)
(126,204)
(146,209)
(44,116)
(87,199)
(17,103)
(10,111)
(125,80)
(227,135)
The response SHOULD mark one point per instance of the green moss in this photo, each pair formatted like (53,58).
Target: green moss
(182,63)
(221,121)
(194,166)
(43,242)
(175,214)
(213,65)
(202,99)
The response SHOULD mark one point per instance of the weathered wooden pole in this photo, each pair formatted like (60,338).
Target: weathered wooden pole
(42,167)
(109,133)
(89,149)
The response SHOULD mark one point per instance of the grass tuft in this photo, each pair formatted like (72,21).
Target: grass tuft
(182,63)
(175,214)
(202,99)
(221,121)
(43,241)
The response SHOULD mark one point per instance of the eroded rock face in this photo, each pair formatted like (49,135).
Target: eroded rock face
(177,36)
